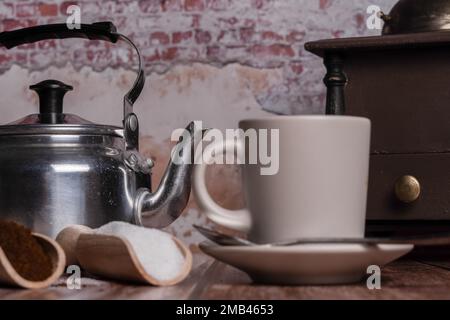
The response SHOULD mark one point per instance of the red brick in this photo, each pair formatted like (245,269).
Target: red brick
(94,43)
(160,38)
(55,19)
(296,67)
(202,37)
(25,10)
(171,5)
(27,46)
(150,6)
(47,44)
(272,50)
(8,58)
(47,9)
(169,54)
(360,21)
(324,4)
(271,36)
(5,58)
(20,57)
(63,6)
(178,37)
(194,5)
(213,52)
(246,34)
(13,24)
(295,36)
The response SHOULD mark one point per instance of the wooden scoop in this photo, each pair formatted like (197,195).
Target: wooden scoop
(9,275)
(113,257)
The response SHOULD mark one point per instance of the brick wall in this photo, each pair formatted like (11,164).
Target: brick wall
(256,33)
(212,60)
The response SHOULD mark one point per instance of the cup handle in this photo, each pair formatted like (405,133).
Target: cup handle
(234,219)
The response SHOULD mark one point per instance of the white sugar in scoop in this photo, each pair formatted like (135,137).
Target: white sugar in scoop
(156,250)
(123,251)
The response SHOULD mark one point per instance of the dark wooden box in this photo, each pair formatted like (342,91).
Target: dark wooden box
(402,83)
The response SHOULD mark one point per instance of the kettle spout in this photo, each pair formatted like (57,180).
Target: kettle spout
(165,205)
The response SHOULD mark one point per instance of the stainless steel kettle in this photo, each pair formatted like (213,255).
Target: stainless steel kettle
(58,169)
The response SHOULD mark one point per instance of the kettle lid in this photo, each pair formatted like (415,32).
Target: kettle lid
(51,118)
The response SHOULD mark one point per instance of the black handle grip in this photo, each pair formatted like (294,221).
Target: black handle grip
(96,31)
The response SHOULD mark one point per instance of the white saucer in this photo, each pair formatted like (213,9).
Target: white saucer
(311,264)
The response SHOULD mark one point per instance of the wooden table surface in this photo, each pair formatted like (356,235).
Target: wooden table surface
(209,279)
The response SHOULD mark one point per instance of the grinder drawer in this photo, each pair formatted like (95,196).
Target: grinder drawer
(409,187)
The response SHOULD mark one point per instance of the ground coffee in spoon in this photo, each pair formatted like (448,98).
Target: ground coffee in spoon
(24,252)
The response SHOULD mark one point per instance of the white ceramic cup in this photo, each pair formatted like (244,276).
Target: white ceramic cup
(319,191)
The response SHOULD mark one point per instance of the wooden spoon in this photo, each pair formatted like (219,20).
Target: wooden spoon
(9,275)
(114,257)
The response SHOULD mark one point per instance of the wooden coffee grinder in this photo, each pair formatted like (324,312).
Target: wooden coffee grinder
(401,81)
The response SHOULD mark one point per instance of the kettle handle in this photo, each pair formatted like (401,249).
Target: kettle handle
(106,31)
(96,31)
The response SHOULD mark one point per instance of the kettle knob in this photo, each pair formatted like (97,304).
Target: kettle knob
(51,94)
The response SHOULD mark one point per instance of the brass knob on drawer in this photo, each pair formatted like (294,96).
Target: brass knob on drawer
(407,189)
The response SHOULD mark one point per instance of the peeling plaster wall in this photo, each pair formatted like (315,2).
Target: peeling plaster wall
(217,96)
(264,34)
(213,60)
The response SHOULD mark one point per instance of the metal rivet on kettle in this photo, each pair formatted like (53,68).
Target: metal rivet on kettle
(133,122)
(149,162)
